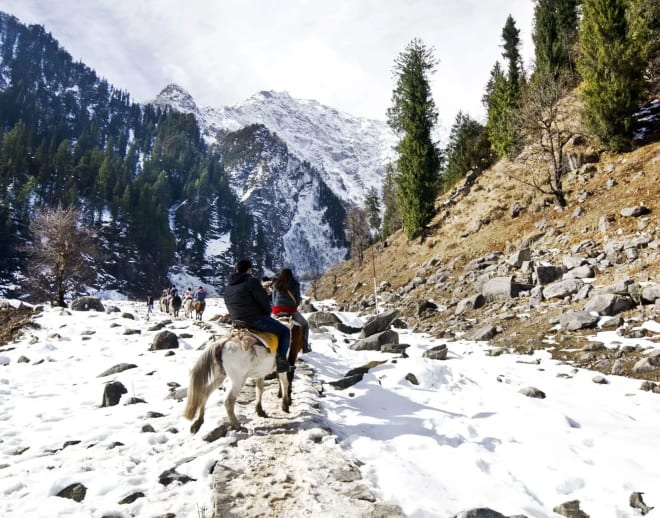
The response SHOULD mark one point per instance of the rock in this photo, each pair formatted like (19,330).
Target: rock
(499,288)
(581,272)
(74,492)
(609,304)
(637,502)
(439,352)
(574,320)
(645,365)
(87,304)
(634,212)
(562,289)
(470,303)
(379,323)
(548,274)
(376,341)
(651,293)
(165,340)
(517,258)
(112,393)
(600,380)
(571,510)
(170,475)
(117,368)
(479,512)
(532,392)
(481,333)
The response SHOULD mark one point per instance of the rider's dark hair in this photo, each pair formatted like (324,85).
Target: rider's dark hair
(284,280)
(243,266)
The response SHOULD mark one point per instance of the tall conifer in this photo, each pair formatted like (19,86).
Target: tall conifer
(412,116)
(612,66)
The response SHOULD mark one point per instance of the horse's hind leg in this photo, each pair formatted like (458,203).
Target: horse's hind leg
(230,402)
(259,389)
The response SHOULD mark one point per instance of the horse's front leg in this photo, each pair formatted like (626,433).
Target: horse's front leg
(259,389)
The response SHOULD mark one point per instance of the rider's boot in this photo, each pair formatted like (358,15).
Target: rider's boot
(282,364)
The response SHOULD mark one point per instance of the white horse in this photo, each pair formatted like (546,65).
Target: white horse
(188,307)
(237,356)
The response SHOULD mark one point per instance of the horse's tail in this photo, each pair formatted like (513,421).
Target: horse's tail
(200,377)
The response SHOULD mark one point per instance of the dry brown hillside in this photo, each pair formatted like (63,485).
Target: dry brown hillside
(481,221)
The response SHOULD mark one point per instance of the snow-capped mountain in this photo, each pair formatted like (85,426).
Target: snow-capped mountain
(349,152)
(296,166)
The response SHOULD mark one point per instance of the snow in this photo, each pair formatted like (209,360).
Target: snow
(461,438)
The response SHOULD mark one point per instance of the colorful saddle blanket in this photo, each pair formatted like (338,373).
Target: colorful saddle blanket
(269,340)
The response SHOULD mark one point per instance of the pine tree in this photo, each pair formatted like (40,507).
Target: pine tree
(372,209)
(391,218)
(412,116)
(555,36)
(503,94)
(468,149)
(612,67)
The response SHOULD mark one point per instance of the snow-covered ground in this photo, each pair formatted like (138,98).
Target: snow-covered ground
(457,435)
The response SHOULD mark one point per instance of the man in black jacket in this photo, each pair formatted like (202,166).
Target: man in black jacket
(247,301)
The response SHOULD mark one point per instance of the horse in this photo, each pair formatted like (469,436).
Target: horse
(237,356)
(164,304)
(297,342)
(176,305)
(188,307)
(199,309)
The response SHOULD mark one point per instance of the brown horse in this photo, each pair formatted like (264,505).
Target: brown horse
(199,309)
(297,342)
(237,356)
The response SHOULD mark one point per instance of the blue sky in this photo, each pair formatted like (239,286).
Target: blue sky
(340,53)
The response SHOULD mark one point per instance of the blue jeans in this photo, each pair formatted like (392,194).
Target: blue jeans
(270,325)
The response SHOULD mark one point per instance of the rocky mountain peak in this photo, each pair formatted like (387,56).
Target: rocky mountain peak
(176,97)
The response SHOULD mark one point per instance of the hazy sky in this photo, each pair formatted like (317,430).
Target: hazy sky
(339,52)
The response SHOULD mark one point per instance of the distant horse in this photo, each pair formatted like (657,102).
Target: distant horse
(164,304)
(199,309)
(297,342)
(188,307)
(176,305)
(237,356)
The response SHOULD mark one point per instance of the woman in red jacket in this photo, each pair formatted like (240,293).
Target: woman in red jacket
(286,298)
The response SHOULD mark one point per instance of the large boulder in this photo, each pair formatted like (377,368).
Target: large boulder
(376,342)
(562,289)
(499,288)
(165,340)
(87,304)
(609,304)
(574,320)
(379,323)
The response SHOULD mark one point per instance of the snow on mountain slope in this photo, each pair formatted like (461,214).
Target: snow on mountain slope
(349,152)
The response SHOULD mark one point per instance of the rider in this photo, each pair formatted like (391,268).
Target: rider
(247,301)
(188,294)
(286,299)
(201,295)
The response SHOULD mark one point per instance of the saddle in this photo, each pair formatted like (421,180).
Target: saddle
(268,340)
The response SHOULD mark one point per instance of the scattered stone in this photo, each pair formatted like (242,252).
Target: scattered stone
(571,510)
(412,378)
(439,352)
(532,392)
(600,380)
(112,393)
(120,367)
(74,492)
(170,475)
(131,498)
(637,502)
(165,340)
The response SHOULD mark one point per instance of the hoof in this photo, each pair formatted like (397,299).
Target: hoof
(194,428)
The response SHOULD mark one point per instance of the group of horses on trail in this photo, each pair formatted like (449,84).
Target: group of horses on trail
(173,303)
(239,355)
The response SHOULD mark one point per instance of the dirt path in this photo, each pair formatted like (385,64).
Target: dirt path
(291,465)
